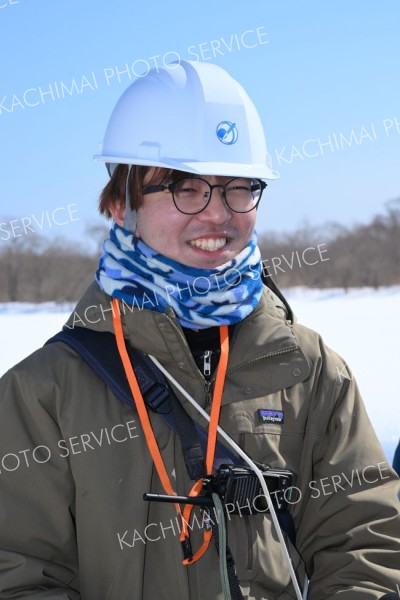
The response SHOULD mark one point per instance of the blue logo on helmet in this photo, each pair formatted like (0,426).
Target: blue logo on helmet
(227,132)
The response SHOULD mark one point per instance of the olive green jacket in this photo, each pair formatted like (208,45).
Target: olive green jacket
(74,466)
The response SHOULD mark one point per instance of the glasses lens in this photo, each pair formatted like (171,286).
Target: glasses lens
(191,195)
(242,195)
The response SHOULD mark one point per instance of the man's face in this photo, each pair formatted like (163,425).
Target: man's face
(205,240)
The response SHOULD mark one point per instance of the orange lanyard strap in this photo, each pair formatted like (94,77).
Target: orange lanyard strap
(140,405)
(148,430)
(141,408)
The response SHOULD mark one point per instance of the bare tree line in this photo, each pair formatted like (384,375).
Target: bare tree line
(343,257)
(34,269)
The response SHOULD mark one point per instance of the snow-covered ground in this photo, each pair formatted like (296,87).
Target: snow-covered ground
(362,325)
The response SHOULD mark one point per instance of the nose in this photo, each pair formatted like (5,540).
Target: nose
(217,209)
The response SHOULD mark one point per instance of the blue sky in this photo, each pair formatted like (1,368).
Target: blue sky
(323,75)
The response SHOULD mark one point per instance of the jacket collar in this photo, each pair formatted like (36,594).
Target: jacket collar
(265,332)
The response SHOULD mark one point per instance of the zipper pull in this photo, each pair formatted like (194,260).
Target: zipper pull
(207,363)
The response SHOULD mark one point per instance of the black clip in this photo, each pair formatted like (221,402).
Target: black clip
(187,549)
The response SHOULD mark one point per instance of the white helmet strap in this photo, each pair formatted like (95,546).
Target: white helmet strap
(130,214)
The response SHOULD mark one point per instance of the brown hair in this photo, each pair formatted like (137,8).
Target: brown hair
(114,192)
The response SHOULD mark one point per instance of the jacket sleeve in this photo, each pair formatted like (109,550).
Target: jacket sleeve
(349,529)
(38,550)
(396,460)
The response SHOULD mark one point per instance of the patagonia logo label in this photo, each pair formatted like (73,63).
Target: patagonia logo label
(270,416)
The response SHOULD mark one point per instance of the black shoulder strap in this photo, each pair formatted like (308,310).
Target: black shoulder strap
(99,350)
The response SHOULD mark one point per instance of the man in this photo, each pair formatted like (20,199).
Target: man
(180,279)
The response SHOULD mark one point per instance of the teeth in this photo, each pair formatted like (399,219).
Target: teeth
(209,244)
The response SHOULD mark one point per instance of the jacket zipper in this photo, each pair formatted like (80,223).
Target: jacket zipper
(208,393)
(208,383)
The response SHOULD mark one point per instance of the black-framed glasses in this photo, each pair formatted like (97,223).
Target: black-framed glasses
(193,194)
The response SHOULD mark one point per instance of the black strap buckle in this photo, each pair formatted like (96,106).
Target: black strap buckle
(158,398)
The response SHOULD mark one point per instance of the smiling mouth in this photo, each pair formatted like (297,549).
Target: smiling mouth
(209,244)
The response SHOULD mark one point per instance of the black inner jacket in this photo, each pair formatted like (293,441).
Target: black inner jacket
(202,340)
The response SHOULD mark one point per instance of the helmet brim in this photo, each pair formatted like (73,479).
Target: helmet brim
(198,167)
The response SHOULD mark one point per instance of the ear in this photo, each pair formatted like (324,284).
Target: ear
(117,210)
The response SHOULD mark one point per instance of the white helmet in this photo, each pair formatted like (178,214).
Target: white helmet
(191,117)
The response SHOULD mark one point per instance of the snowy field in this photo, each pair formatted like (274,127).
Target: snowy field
(363,326)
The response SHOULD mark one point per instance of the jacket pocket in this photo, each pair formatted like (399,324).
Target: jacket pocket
(253,539)
(269,429)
